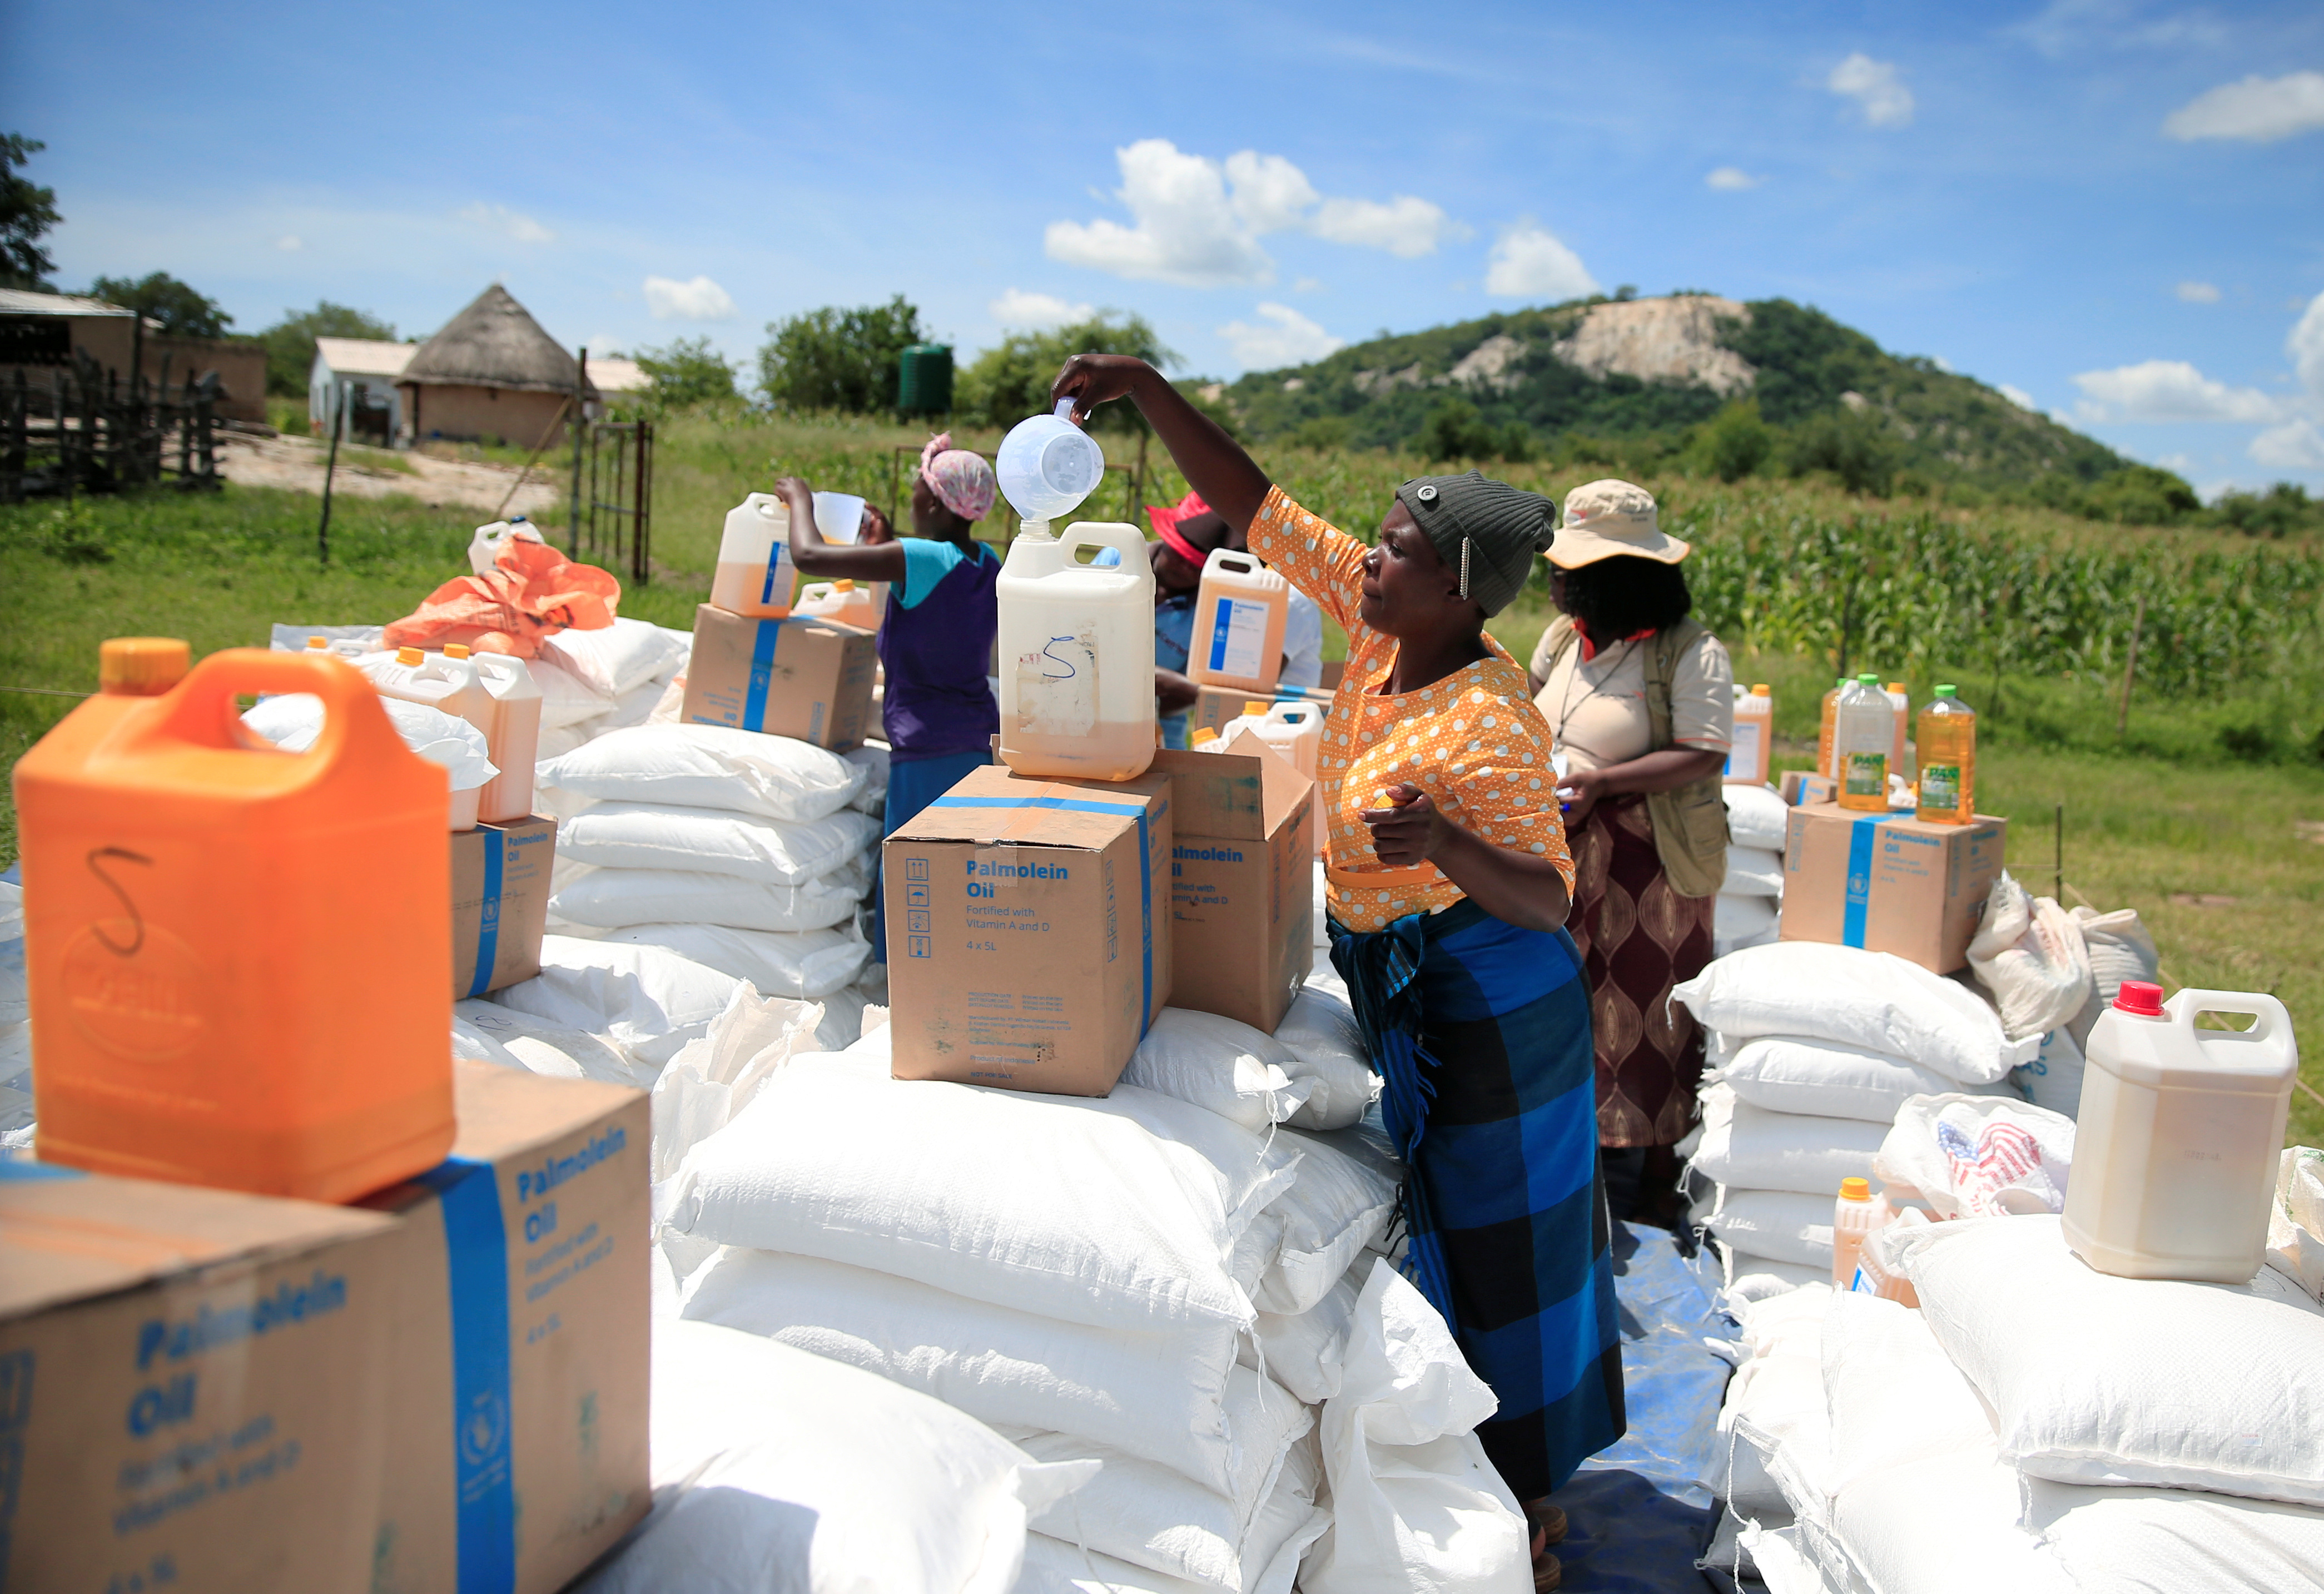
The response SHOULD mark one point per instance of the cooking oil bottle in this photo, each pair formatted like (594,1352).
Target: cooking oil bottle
(1863,732)
(1948,747)
(1825,765)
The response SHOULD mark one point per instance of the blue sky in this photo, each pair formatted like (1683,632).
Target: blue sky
(2116,209)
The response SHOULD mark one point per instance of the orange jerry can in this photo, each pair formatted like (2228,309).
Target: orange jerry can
(239,958)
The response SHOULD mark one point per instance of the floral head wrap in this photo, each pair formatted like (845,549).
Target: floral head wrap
(962,479)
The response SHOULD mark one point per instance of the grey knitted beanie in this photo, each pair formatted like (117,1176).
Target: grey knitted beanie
(1487,532)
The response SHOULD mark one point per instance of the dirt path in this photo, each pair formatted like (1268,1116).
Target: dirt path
(297,464)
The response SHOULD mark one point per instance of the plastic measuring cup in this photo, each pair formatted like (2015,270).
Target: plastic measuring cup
(1047,464)
(839,516)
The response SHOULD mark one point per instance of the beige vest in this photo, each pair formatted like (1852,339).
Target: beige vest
(1691,821)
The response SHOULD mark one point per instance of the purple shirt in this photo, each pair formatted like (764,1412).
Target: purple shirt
(936,644)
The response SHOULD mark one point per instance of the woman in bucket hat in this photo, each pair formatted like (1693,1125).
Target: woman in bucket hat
(1448,882)
(1640,698)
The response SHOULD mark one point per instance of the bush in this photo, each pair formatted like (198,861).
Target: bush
(836,359)
(1851,446)
(1455,431)
(1737,442)
(2141,495)
(2283,510)
(686,375)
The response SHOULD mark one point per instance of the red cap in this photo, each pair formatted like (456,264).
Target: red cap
(2141,998)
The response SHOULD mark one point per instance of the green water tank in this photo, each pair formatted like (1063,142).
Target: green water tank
(924,379)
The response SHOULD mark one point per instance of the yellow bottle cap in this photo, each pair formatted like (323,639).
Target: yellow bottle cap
(1759,689)
(455,649)
(1854,1189)
(409,655)
(142,666)
(843,584)
(1202,733)
(1253,707)
(322,643)
(1895,685)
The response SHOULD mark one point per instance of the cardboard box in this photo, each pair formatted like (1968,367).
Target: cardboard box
(1028,930)
(193,1385)
(518,1348)
(1801,786)
(1887,882)
(806,678)
(500,902)
(1242,899)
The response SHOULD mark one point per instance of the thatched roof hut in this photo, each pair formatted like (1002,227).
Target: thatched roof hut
(490,373)
(494,343)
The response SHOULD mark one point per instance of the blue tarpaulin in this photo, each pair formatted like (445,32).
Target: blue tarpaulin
(1638,1515)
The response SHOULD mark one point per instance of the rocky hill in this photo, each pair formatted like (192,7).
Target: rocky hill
(1654,375)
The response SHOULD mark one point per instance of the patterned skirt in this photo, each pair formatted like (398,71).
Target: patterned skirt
(1481,1034)
(1638,938)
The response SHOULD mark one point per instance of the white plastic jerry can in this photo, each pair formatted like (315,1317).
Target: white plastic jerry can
(1076,649)
(513,736)
(1239,617)
(755,577)
(2175,1146)
(862,604)
(484,548)
(450,686)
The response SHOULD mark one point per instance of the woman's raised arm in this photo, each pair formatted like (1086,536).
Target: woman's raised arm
(1212,463)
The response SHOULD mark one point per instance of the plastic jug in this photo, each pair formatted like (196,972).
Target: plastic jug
(1294,731)
(1076,648)
(514,733)
(1755,736)
(1854,1215)
(456,686)
(2175,1145)
(1863,733)
(755,577)
(1901,701)
(484,548)
(1239,618)
(1047,466)
(1825,764)
(240,959)
(1947,749)
(862,604)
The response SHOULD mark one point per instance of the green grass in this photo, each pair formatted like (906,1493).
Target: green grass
(2194,815)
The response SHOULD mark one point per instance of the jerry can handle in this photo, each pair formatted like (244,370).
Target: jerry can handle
(204,713)
(1306,714)
(1228,559)
(1124,539)
(2269,1018)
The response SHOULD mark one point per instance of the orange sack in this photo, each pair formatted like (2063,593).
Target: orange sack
(530,593)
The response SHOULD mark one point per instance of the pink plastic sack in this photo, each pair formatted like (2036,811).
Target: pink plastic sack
(531,591)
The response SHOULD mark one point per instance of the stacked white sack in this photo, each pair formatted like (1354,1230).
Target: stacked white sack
(1812,1051)
(1137,1280)
(2038,1425)
(2050,974)
(593,682)
(1752,895)
(744,853)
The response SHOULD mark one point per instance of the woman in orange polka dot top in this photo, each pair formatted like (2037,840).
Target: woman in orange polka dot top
(1449,883)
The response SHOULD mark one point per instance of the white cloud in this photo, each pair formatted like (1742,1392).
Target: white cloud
(289,243)
(2296,445)
(2260,109)
(2017,396)
(1405,226)
(502,219)
(2306,348)
(1530,262)
(2198,292)
(1876,85)
(2167,390)
(1731,180)
(1287,339)
(1017,308)
(2067,25)
(698,299)
(1307,285)
(1197,221)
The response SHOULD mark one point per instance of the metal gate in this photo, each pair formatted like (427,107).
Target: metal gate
(613,495)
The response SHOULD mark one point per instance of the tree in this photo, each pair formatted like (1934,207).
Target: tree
(2141,495)
(27,210)
(291,341)
(1848,444)
(1737,442)
(838,359)
(686,374)
(157,296)
(2283,508)
(1456,431)
(1011,380)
